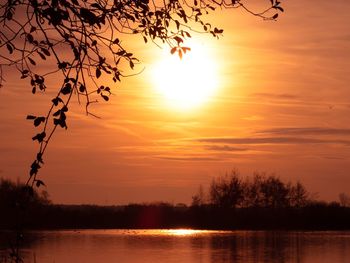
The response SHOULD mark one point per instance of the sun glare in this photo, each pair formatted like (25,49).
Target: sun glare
(188,82)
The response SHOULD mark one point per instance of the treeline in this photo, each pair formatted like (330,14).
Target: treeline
(261,191)
(231,202)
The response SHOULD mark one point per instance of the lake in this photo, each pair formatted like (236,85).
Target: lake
(185,246)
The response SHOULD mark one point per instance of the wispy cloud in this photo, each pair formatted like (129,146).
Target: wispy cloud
(306,131)
(188,158)
(271,140)
(276,96)
(224,148)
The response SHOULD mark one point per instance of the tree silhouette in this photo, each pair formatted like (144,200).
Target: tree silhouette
(80,45)
(227,191)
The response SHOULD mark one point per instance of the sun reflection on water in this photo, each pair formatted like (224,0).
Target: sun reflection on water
(183,232)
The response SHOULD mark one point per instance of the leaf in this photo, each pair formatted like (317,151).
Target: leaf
(41,55)
(98,73)
(56,100)
(33,170)
(187,34)
(82,88)
(32,29)
(106,98)
(38,121)
(66,89)
(30,38)
(39,157)
(62,65)
(185,49)
(178,39)
(31,61)
(31,117)
(39,182)
(275,16)
(9,48)
(180,54)
(177,24)
(173,50)
(40,137)
(45,51)
(57,113)
(279,8)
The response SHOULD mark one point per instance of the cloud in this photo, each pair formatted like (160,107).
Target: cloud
(306,131)
(285,96)
(224,148)
(188,158)
(271,140)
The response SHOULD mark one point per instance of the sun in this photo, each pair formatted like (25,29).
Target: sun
(186,83)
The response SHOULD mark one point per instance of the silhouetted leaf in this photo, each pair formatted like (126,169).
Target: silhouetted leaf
(9,48)
(82,88)
(32,29)
(33,170)
(275,16)
(66,89)
(45,51)
(31,117)
(98,73)
(57,113)
(39,157)
(106,98)
(41,55)
(31,61)
(38,183)
(40,137)
(62,65)
(38,121)
(30,38)
(56,100)
(279,8)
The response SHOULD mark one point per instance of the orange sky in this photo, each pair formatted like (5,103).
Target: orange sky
(282,106)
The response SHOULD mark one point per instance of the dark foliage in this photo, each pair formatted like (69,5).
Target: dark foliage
(262,191)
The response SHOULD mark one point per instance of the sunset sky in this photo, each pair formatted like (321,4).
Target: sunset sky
(280,103)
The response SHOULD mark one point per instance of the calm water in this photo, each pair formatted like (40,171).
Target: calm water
(181,246)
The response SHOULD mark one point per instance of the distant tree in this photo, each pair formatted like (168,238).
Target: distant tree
(274,192)
(13,195)
(344,200)
(227,191)
(252,192)
(199,198)
(79,44)
(298,195)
